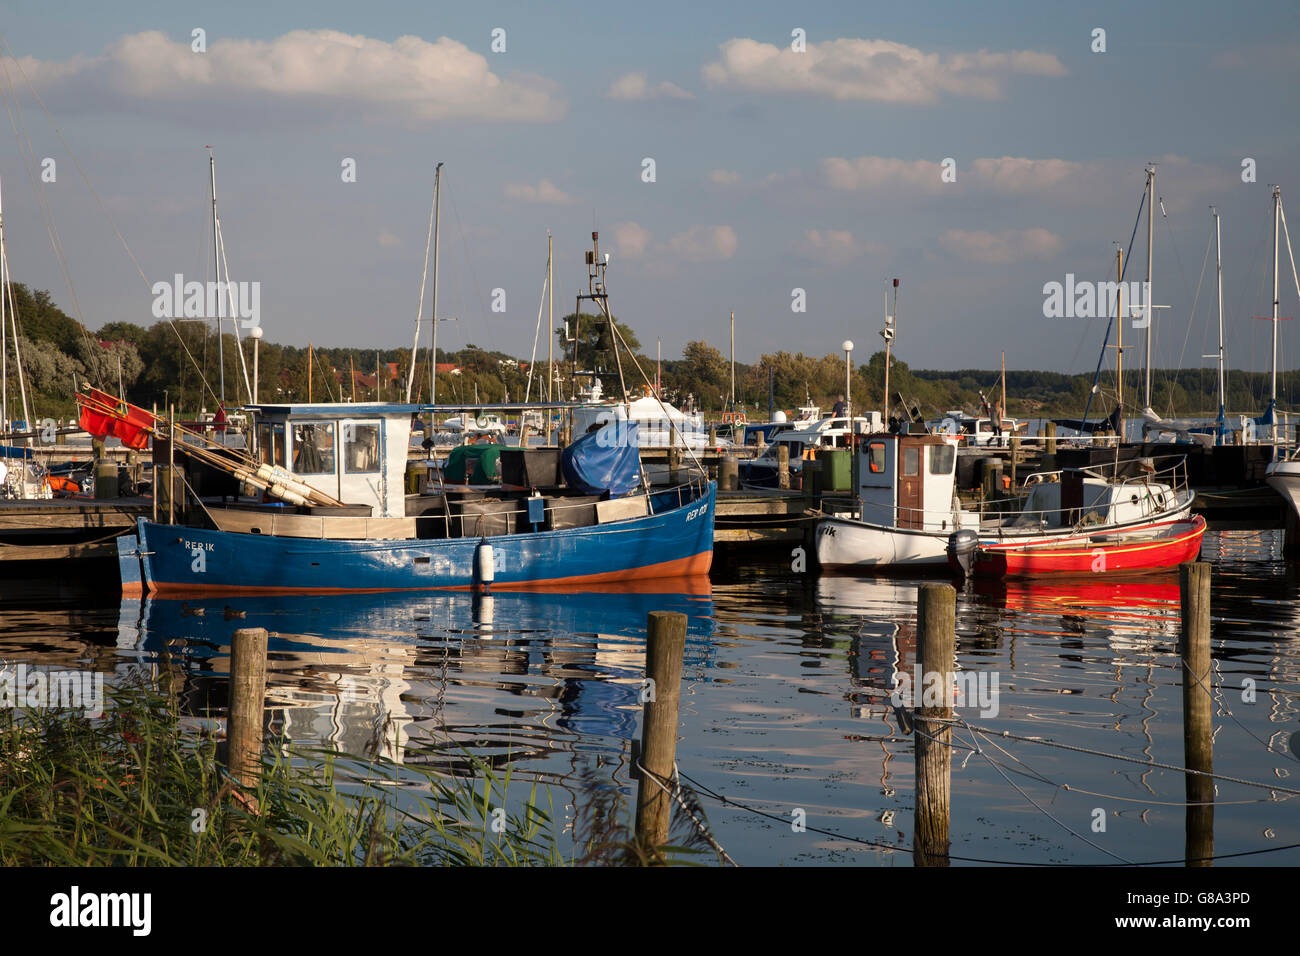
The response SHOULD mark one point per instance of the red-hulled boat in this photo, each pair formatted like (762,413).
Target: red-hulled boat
(1159,545)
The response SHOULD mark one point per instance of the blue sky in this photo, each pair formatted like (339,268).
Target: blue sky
(772,172)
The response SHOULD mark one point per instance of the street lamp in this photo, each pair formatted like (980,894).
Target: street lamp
(847,346)
(257,337)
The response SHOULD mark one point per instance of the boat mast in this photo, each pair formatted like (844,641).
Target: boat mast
(1218,266)
(433,354)
(7,293)
(550,319)
(887,333)
(1119,346)
(1150,314)
(4,345)
(216,274)
(1277,207)
(732,406)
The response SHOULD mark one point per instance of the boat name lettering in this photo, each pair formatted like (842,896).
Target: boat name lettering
(199,545)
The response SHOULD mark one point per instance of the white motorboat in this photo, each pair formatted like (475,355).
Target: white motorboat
(907,509)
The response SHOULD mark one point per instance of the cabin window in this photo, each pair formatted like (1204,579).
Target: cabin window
(942,459)
(313,449)
(876,457)
(270,444)
(360,448)
(911,461)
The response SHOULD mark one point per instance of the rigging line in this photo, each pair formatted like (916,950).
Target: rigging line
(4,46)
(234,319)
(541,307)
(1197,298)
(478,289)
(329,388)
(1128,260)
(13,317)
(419,311)
(1173,244)
(29,162)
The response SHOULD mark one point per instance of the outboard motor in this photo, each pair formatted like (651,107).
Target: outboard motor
(961,549)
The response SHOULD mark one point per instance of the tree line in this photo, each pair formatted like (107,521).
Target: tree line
(179,363)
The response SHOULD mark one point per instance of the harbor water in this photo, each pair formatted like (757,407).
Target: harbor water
(785,707)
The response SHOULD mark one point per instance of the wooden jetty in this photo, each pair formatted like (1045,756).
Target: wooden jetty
(61,529)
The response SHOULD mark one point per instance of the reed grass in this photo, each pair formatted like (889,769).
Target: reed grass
(140,787)
(137,788)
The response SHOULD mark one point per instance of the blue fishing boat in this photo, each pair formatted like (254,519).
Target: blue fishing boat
(344,522)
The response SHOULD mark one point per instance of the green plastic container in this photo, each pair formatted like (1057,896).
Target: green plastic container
(837,469)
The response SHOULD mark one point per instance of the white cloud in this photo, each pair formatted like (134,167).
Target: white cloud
(1008,175)
(724,177)
(872,172)
(1013,174)
(636,86)
(409,78)
(1001,248)
(834,246)
(704,243)
(872,70)
(631,239)
(388,240)
(543,192)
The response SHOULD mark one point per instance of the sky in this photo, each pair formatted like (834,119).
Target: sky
(976,152)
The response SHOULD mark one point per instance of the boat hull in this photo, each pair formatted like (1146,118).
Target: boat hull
(672,544)
(1164,546)
(1284,478)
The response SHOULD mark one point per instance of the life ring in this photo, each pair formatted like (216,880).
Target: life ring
(482,421)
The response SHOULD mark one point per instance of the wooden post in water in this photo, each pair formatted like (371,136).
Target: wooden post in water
(713,436)
(1015,459)
(1050,431)
(247,696)
(665,648)
(936,614)
(729,471)
(783,466)
(1198,745)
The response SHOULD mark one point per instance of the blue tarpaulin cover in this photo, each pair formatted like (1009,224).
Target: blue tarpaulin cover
(604,460)
(10,451)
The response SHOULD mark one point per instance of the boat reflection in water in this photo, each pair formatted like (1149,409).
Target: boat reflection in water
(517,675)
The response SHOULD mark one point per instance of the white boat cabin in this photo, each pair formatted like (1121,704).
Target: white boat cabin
(907,481)
(353,452)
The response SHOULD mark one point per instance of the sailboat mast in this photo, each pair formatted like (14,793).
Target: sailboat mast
(1150,314)
(1218,266)
(1119,347)
(4,345)
(733,362)
(1277,206)
(433,349)
(216,276)
(550,319)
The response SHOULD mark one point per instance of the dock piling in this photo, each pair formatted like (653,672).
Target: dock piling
(729,472)
(936,614)
(247,696)
(1198,746)
(665,649)
(783,466)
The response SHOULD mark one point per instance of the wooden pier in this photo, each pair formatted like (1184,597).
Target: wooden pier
(61,529)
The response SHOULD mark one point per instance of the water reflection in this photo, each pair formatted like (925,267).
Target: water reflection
(516,674)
